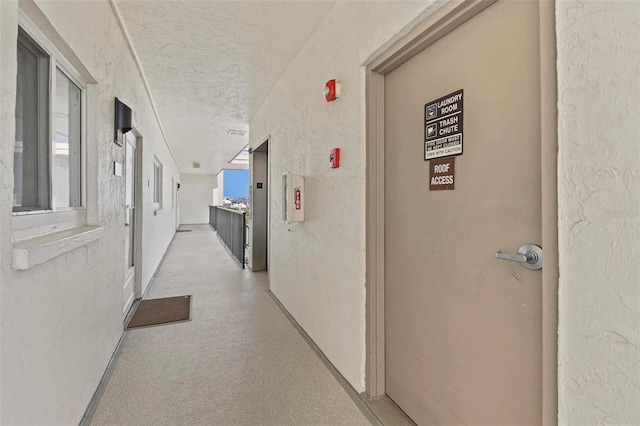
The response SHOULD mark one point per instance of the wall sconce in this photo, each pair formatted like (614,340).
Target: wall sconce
(122,120)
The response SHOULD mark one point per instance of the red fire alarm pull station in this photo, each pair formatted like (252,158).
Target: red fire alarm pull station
(298,199)
(334,158)
(332,90)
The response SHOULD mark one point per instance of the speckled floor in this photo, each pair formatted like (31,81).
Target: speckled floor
(239,361)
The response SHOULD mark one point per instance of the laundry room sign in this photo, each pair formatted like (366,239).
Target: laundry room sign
(443,126)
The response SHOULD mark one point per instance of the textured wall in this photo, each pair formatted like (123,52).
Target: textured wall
(196,193)
(317,267)
(8,35)
(599,192)
(61,320)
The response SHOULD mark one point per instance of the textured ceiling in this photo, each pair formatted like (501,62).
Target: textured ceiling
(210,65)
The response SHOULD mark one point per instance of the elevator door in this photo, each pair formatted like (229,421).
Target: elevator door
(463,330)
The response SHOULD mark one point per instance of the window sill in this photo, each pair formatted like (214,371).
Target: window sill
(34,251)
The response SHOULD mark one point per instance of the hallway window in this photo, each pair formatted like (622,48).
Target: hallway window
(66,141)
(48,154)
(157,184)
(31,152)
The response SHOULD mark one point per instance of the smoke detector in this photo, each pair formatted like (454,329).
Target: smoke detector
(236,132)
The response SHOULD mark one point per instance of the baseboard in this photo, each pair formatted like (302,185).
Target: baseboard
(357,398)
(164,256)
(97,395)
(386,410)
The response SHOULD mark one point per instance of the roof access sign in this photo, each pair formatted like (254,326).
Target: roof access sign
(443,126)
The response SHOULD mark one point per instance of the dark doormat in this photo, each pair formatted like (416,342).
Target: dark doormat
(161,311)
(183,230)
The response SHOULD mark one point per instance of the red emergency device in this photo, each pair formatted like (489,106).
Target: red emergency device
(334,158)
(298,200)
(331,90)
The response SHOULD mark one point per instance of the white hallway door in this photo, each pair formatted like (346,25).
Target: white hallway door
(129,236)
(463,330)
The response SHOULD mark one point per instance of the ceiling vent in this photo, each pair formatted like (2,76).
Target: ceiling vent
(236,132)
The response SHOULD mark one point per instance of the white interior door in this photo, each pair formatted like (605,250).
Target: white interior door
(129,233)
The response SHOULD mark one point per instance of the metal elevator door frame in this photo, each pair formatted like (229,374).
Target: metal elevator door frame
(260,197)
(446,19)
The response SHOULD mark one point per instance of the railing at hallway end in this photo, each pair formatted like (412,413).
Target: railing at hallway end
(230,226)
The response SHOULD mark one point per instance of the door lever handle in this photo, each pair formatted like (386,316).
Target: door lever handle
(529,255)
(513,257)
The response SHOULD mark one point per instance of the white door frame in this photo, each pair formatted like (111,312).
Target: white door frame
(446,19)
(139,214)
(176,205)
